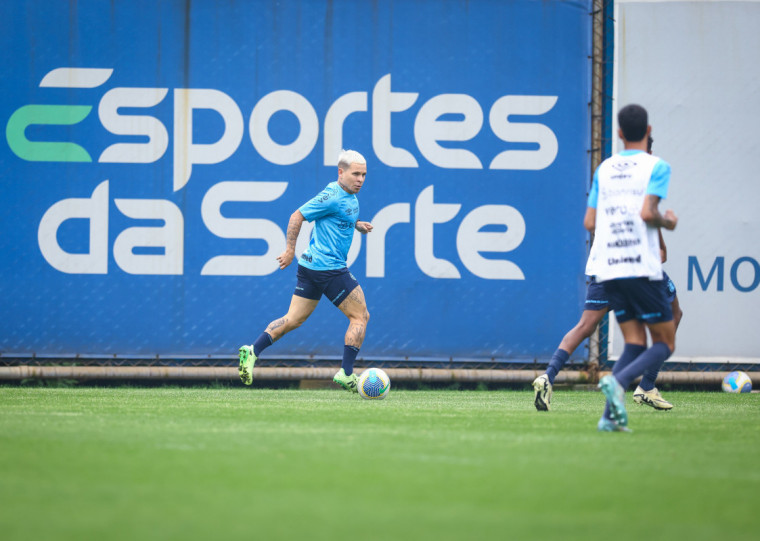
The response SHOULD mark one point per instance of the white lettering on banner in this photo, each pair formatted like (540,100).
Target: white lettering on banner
(187,153)
(470,240)
(158,138)
(428,129)
(252,228)
(353,102)
(284,100)
(243,228)
(521,132)
(397,213)
(432,125)
(384,103)
(170,237)
(76,78)
(426,214)
(95,209)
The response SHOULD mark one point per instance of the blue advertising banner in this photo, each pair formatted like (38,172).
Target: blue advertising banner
(154,152)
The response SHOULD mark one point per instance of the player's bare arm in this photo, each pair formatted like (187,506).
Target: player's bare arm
(663,247)
(651,214)
(363,227)
(291,236)
(589,220)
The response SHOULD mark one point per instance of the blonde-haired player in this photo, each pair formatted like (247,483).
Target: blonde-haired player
(322,268)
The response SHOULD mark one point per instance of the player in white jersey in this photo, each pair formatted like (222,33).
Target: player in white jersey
(595,307)
(322,268)
(624,216)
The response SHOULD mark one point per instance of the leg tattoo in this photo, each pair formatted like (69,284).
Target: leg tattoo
(355,334)
(277,324)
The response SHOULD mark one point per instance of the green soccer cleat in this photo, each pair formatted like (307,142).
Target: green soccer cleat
(247,360)
(543,395)
(651,398)
(347,382)
(615,395)
(606,425)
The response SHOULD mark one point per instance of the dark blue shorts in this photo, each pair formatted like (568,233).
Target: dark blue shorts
(333,284)
(639,298)
(670,287)
(596,298)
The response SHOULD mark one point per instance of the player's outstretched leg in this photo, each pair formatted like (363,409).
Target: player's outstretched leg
(300,309)
(355,308)
(245,367)
(543,393)
(596,307)
(651,398)
(615,395)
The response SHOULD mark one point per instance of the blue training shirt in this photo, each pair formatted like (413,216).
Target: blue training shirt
(334,212)
(658,184)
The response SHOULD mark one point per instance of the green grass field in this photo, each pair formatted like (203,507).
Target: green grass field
(238,463)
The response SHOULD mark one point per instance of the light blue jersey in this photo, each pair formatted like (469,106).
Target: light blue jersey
(334,213)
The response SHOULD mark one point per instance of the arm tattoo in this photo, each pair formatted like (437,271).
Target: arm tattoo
(294,227)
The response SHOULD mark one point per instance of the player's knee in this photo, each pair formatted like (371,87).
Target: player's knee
(669,341)
(296,322)
(360,319)
(291,322)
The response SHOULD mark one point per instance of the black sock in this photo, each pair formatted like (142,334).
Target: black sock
(653,357)
(261,343)
(559,359)
(349,356)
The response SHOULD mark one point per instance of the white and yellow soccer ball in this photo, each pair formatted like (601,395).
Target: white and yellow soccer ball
(374,384)
(737,382)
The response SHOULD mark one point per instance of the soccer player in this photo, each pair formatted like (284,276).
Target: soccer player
(595,306)
(625,257)
(322,268)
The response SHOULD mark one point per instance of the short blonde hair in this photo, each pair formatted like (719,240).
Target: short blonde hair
(347,157)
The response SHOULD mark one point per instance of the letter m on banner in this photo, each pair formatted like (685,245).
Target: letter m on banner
(694,268)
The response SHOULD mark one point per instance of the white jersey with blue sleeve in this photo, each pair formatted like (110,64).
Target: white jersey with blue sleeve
(624,245)
(334,212)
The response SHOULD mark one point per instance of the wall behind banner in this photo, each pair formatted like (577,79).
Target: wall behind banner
(153,155)
(701,85)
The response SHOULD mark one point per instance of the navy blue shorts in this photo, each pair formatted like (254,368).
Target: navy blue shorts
(596,298)
(670,287)
(333,284)
(639,298)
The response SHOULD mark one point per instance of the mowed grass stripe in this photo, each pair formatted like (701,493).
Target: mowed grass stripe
(178,463)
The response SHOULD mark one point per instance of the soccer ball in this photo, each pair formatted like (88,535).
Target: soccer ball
(374,384)
(737,382)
